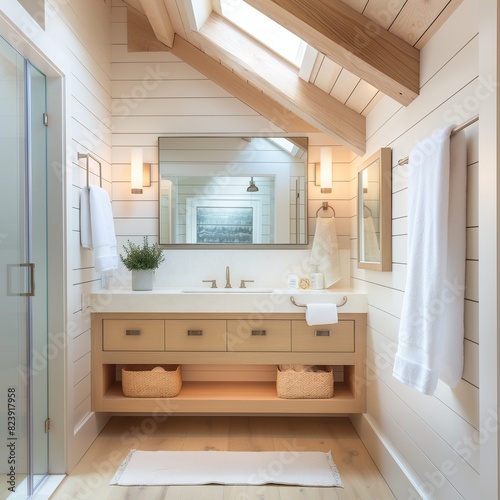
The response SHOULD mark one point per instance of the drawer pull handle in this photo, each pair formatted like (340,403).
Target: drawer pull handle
(322,333)
(195,333)
(132,333)
(259,333)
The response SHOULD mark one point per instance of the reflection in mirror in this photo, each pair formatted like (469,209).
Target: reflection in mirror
(369,238)
(232,191)
(374,212)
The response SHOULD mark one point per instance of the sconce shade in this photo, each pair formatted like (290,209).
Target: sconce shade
(326,169)
(136,171)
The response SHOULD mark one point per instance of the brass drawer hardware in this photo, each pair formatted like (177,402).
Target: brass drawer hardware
(132,333)
(259,333)
(322,333)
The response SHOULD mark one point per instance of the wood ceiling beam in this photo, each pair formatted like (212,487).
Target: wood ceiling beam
(247,58)
(239,88)
(141,38)
(353,41)
(140,34)
(157,13)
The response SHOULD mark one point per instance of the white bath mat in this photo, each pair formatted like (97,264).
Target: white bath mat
(307,468)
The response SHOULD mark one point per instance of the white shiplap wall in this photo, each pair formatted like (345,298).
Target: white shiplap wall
(155,94)
(81,30)
(435,437)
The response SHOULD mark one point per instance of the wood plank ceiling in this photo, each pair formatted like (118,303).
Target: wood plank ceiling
(366,48)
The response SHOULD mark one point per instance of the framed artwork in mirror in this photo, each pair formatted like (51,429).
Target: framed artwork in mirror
(374,212)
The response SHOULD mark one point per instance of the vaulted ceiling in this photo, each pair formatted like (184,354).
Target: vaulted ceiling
(365,49)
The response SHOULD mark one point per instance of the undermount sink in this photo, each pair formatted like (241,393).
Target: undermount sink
(228,290)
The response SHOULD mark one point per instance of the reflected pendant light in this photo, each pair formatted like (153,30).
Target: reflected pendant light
(252,188)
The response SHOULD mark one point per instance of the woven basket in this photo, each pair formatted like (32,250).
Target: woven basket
(139,381)
(305,385)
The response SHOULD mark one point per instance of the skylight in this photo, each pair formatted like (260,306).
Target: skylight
(265,30)
(285,144)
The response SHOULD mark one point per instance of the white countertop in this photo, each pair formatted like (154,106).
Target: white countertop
(176,301)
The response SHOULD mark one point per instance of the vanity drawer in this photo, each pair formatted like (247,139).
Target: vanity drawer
(338,337)
(133,335)
(195,335)
(262,335)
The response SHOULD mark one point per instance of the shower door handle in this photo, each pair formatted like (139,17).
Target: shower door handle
(30,281)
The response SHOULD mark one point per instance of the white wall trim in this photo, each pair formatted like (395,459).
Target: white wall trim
(489,161)
(392,465)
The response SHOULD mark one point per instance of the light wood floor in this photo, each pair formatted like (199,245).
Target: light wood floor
(91,477)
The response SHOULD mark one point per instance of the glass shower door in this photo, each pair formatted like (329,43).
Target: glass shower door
(23,300)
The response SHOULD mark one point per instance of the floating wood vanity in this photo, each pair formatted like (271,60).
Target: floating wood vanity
(224,338)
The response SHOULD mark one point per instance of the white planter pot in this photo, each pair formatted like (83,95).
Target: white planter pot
(142,280)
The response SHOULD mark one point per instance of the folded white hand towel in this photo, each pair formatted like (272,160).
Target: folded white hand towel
(325,255)
(102,229)
(321,314)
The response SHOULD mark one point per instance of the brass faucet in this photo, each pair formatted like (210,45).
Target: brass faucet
(228,278)
(214,283)
(243,283)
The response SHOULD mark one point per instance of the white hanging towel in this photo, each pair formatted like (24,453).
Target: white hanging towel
(325,255)
(431,332)
(85,227)
(97,230)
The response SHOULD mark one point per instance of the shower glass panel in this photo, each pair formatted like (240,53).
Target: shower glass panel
(23,299)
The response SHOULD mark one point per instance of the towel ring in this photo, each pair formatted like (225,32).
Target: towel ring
(292,300)
(325,206)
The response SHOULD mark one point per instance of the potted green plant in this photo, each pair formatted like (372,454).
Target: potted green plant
(142,260)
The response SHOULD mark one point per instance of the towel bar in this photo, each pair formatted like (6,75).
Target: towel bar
(87,156)
(474,119)
(292,300)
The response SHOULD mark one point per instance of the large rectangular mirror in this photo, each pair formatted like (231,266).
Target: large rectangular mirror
(236,192)
(374,212)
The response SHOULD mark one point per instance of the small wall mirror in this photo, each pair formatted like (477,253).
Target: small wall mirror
(374,212)
(236,192)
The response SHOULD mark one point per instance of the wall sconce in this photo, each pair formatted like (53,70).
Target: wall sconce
(324,170)
(140,173)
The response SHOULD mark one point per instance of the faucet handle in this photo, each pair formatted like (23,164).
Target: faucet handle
(243,285)
(214,283)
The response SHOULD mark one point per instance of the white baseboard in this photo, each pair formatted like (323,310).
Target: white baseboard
(395,470)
